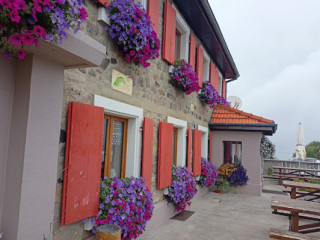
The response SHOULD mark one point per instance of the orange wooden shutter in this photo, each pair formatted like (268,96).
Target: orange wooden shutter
(169,32)
(210,147)
(147,151)
(189,134)
(196,152)
(200,65)
(192,51)
(81,184)
(104,2)
(165,155)
(214,76)
(153,11)
(224,88)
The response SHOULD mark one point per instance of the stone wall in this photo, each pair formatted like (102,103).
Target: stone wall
(151,91)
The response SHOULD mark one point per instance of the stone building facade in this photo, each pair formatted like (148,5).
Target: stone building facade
(152,95)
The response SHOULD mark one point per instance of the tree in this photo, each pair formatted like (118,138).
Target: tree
(313,150)
(267,148)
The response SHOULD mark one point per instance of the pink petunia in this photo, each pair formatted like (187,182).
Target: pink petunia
(19,5)
(6,4)
(15,16)
(38,30)
(21,54)
(2,26)
(15,39)
(27,38)
(83,14)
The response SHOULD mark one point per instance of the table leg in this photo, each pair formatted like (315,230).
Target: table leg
(293,193)
(294,222)
(280,177)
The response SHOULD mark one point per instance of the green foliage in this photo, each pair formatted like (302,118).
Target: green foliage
(269,171)
(313,150)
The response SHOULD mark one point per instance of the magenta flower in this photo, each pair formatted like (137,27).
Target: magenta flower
(15,17)
(19,5)
(16,39)
(209,173)
(27,38)
(21,54)
(38,30)
(83,13)
(6,4)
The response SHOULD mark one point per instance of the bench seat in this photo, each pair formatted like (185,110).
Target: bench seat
(288,235)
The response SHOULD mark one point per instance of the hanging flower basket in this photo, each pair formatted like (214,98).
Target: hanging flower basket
(208,94)
(183,188)
(132,29)
(183,77)
(25,22)
(209,173)
(124,202)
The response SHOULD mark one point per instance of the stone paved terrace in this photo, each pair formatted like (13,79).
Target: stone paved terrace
(224,217)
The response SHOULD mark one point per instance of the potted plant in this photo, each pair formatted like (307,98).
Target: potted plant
(223,101)
(132,29)
(222,185)
(124,202)
(209,174)
(239,176)
(183,188)
(208,94)
(26,22)
(184,78)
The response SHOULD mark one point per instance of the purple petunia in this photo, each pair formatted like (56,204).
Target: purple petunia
(132,29)
(209,173)
(182,189)
(209,94)
(184,78)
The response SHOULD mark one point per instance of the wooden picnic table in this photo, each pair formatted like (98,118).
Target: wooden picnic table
(296,208)
(295,173)
(295,193)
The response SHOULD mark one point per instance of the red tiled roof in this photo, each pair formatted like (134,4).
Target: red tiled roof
(228,115)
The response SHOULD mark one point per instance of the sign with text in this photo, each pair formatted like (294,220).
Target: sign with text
(121,82)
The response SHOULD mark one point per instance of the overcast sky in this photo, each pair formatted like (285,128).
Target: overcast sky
(276,47)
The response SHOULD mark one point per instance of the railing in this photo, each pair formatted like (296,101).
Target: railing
(268,163)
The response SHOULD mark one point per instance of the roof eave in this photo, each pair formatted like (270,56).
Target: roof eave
(267,129)
(200,17)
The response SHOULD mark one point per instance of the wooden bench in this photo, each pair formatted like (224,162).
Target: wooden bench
(287,235)
(295,173)
(296,208)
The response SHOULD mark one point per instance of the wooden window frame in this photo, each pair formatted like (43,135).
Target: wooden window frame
(179,44)
(108,147)
(175,141)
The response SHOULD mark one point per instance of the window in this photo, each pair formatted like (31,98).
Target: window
(206,66)
(204,141)
(179,141)
(114,147)
(182,35)
(177,45)
(144,3)
(134,117)
(175,146)
(232,152)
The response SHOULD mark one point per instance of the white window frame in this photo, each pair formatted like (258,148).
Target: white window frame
(103,16)
(184,29)
(204,141)
(135,122)
(206,66)
(220,84)
(181,125)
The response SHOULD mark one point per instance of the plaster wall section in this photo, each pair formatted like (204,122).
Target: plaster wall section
(151,91)
(6,97)
(251,158)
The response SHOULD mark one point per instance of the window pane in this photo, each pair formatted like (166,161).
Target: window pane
(104,146)
(174,147)
(177,46)
(116,153)
(232,152)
